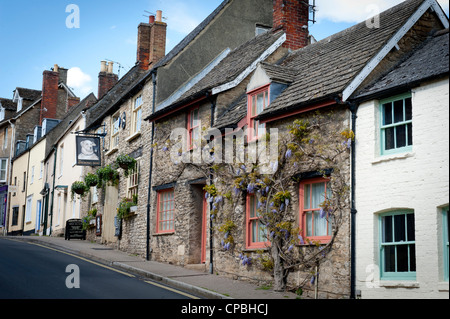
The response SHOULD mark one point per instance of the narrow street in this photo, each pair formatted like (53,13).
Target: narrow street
(30,271)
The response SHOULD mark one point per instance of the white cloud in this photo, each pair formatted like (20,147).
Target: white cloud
(352,11)
(79,81)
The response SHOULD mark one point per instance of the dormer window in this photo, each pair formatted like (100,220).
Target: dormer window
(17,99)
(2,113)
(258,100)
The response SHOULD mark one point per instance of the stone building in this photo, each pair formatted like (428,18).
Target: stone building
(155,77)
(323,76)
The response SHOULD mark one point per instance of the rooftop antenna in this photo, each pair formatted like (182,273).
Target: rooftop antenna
(120,66)
(313,9)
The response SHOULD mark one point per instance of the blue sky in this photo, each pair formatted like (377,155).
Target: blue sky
(34,35)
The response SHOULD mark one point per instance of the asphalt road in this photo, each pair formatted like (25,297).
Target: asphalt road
(30,271)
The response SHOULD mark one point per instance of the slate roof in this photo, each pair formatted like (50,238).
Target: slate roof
(112,100)
(29,94)
(327,67)
(227,70)
(8,104)
(53,136)
(429,61)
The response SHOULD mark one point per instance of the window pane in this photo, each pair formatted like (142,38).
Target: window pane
(387,112)
(408,109)
(389,142)
(410,136)
(387,229)
(307,194)
(399,228)
(252,207)
(320,225)
(401,135)
(389,258)
(412,257)
(309,224)
(410,227)
(260,103)
(318,194)
(398,111)
(402,258)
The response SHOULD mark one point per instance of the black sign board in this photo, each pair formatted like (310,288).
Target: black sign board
(98,225)
(118,227)
(88,151)
(74,230)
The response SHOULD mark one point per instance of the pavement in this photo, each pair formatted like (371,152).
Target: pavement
(197,282)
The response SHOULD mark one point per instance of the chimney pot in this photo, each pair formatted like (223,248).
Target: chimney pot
(110,67)
(55,68)
(159,16)
(103,66)
(151,19)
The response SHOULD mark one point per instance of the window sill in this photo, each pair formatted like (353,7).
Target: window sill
(133,137)
(255,249)
(388,158)
(112,151)
(399,284)
(164,234)
(443,286)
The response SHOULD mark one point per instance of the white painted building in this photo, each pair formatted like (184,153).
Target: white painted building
(402,179)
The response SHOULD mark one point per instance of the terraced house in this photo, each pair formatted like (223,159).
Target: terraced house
(156,79)
(260,86)
(261,154)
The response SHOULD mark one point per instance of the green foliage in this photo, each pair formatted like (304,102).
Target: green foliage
(300,130)
(91,180)
(123,211)
(107,175)
(127,163)
(79,188)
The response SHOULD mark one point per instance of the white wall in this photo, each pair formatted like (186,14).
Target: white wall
(417,180)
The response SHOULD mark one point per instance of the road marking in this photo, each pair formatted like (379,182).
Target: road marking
(171,289)
(89,261)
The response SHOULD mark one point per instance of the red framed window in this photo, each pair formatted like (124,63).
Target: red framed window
(258,100)
(165,211)
(193,127)
(314,226)
(256,231)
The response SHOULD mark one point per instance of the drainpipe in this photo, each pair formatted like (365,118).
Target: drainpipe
(148,252)
(26,193)
(211,234)
(55,149)
(354,109)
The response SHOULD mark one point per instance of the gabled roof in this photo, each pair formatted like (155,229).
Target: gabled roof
(8,104)
(29,94)
(236,65)
(112,100)
(428,62)
(326,68)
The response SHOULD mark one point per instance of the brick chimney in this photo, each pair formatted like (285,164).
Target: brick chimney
(292,16)
(49,101)
(106,78)
(151,41)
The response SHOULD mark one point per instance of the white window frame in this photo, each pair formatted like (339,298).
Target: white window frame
(2,160)
(29,204)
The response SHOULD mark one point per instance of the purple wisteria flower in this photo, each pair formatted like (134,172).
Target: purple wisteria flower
(288,153)
(300,237)
(290,247)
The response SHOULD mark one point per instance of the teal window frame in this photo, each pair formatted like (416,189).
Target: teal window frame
(395,126)
(409,243)
(445,241)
